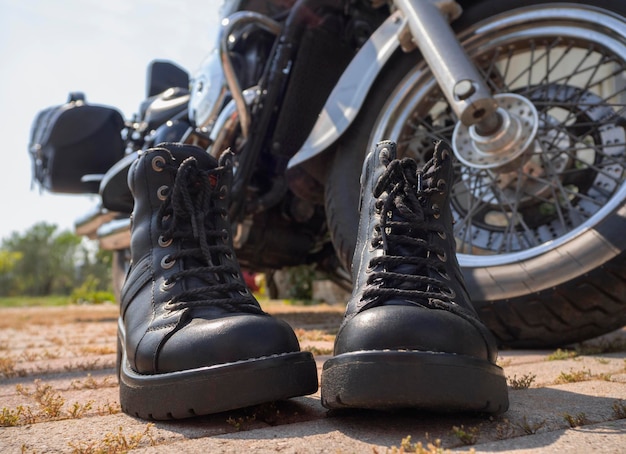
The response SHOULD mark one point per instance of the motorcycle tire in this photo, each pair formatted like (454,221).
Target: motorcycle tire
(543,254)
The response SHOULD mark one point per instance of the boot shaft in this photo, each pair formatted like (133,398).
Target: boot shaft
(151,179)
(180,226)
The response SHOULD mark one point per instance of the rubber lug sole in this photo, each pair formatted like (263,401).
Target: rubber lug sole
(439,382)
(215,389)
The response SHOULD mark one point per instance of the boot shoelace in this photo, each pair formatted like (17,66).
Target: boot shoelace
(405,220)
(187,216)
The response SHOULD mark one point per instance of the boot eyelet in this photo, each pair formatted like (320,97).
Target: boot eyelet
(443,257)
(165,285)
(442,235)
(245,292)
(167,262)
(445,275)
(170,308)
(449,292)
(223,192)
(158,163)
(162,192)
(436,211)
(383,156)
(163,242)
(442,185)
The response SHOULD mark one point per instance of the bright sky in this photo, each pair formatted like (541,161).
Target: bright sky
(102,48)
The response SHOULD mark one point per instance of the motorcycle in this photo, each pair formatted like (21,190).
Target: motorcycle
(530,93)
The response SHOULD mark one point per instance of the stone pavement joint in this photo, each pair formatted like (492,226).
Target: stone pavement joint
(58,393)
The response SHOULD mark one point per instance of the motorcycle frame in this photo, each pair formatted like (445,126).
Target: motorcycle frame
(421,23)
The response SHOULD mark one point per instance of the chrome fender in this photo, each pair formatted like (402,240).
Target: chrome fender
(347,97)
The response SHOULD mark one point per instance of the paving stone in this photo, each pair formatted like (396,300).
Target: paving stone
(607,437)
(576,404)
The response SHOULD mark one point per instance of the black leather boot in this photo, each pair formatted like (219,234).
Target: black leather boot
(192,339)
(410,337)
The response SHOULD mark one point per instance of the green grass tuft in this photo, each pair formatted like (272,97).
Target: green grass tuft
(34,301)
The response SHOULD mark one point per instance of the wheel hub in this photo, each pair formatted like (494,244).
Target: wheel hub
(508,146)
(571,170)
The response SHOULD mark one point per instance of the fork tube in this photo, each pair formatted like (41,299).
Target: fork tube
(455,73)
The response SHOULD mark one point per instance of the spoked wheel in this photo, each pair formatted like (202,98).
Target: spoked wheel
(541,228)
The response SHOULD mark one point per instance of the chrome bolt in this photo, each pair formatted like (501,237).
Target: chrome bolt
(464,89)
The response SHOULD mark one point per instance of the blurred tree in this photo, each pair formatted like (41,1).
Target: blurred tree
(8,261)
(47,262)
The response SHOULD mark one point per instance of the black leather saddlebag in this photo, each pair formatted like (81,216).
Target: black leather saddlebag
(73,144)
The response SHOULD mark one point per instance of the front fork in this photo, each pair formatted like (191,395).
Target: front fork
(488,135)
(428,22)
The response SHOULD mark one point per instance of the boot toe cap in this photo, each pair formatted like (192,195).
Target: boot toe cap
(202,342)
(410,327)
